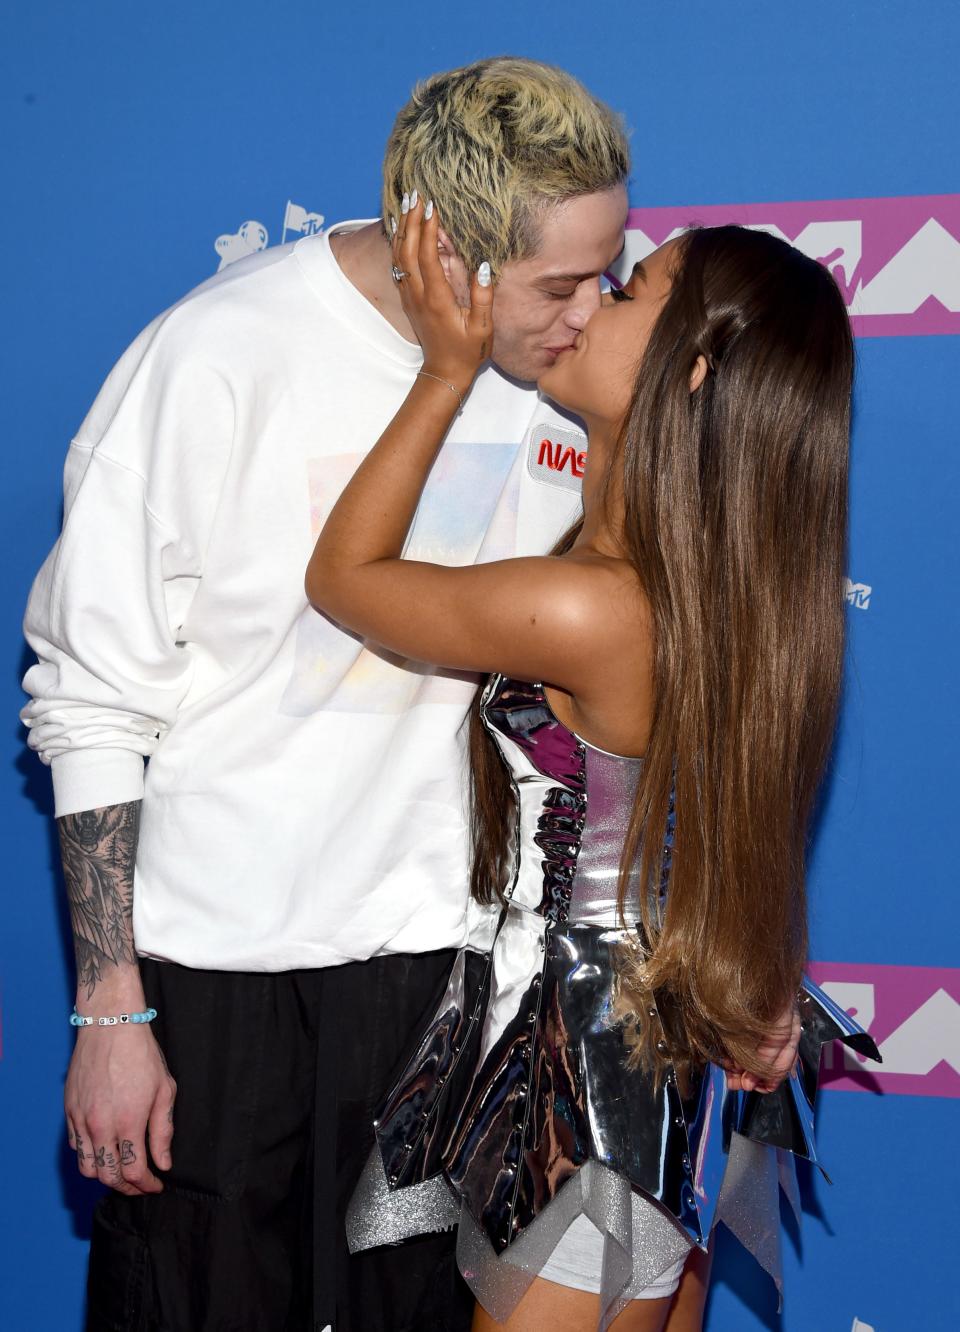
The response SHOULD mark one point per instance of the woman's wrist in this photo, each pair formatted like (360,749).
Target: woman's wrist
(459,379)
(455,403)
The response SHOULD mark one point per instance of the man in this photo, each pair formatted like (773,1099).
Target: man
(286,884)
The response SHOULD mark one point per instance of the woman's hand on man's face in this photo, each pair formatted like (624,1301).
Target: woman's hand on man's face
(456,340)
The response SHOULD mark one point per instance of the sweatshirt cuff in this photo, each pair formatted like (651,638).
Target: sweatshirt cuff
(94,778)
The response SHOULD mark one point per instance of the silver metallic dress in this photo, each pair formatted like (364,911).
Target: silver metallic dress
(517,1111)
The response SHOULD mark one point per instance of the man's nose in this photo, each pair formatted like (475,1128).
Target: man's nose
(585,304)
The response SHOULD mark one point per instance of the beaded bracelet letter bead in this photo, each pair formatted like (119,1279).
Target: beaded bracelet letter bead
(121,1019)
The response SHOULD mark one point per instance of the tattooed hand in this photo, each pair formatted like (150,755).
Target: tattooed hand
(119,1096)
(119,1092)
(76,1143)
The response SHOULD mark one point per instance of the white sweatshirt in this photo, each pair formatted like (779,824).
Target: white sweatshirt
(304,797)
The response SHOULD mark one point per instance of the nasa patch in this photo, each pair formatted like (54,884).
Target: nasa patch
(557,457)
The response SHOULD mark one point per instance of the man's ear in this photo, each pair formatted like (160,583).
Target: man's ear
(454,269)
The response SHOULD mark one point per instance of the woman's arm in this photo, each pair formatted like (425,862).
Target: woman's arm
(535,618)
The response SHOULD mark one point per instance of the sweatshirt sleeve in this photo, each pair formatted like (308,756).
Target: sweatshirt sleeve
(141,486)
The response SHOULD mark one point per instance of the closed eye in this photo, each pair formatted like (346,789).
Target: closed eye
(619,294)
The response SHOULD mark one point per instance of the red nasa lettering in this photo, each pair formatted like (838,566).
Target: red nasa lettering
(557,457)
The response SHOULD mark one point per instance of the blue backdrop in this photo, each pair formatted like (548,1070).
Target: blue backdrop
(136,135)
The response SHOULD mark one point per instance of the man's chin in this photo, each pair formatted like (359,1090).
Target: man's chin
(524,370)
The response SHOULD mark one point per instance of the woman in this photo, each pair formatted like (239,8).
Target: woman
(595,1090)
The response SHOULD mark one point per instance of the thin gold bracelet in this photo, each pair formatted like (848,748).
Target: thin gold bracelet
(452,387)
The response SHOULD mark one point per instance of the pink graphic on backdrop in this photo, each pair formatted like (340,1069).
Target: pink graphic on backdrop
(897,261)
(913,1013)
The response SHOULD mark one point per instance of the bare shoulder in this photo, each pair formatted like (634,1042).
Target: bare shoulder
(604,600)
(609,700)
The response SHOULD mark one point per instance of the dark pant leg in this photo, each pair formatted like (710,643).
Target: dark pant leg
(279,1078)
(414,1286)
(218,1250)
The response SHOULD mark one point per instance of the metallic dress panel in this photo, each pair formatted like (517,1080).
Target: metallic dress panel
(517,1110)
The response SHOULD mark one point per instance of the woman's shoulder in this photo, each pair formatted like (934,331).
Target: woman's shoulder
(606,593)
(612,701)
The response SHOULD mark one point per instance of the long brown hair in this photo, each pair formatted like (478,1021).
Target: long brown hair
(735,523)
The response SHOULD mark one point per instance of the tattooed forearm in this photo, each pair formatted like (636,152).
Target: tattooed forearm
(99,848)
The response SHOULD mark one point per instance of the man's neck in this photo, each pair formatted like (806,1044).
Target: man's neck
(365,260)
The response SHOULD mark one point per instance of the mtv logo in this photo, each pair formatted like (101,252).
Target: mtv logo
(913,1013)
(926,266)
(857,998)
(838,245)
(299,220)
(896,261)
(857,594)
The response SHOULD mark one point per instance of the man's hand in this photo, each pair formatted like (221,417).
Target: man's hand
(119,1096)
(778,1052)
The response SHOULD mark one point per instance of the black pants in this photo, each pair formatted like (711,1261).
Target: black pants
(278,1080)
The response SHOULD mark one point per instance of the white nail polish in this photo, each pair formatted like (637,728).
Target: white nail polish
(405,204)
(483,274)
(413,199)
(393,226)
(428,211)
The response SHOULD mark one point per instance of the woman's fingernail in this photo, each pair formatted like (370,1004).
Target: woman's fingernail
(413,199)
(428,211)
(483,274)
(405,204)
(393,226)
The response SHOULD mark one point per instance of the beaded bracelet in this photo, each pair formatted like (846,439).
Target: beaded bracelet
(119,1021)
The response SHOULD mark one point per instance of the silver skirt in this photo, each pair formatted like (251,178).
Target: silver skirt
(517,1112)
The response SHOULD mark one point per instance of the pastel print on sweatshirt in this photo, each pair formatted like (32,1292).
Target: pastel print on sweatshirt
(462,519)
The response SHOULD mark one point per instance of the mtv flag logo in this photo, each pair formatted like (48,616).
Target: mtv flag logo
(913,1013)
(298,220)
(857,594)
(248,239)
(896,261)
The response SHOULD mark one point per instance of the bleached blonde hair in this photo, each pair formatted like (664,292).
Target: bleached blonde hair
(496,143)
